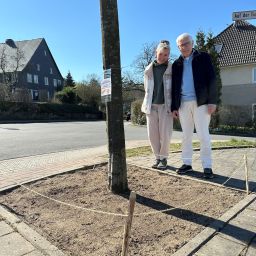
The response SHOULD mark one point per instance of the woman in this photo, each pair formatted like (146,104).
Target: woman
(157,104)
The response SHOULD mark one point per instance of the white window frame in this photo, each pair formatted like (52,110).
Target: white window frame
(45,53)
(35,79)
(38,67)
(51,72)
(46,80)
(218,48)
(254,75)
(29,78)
(59,82)
(32,94)
(55,84)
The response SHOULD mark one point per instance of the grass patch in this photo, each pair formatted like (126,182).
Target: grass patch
(146,150)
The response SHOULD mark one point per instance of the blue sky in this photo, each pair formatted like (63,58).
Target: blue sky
(73,32)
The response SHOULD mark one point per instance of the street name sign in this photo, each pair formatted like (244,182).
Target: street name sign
(245,15)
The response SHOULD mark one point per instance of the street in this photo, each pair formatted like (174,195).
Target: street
(26,139)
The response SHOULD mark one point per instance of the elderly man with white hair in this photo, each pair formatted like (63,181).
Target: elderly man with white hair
(194,98)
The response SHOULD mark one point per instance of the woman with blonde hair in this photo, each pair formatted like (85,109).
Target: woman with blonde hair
(157,104)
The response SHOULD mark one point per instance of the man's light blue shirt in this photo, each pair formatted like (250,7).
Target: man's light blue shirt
(187,86)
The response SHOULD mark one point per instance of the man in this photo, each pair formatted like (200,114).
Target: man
(194,98)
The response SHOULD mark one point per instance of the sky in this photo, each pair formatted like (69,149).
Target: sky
(72,29)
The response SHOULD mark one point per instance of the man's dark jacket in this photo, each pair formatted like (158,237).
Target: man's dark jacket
(204,80)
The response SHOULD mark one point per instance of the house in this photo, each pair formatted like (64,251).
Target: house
(236,46)
(29,67)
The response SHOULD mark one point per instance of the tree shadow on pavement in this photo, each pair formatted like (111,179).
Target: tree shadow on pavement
(218,179)
(234,231)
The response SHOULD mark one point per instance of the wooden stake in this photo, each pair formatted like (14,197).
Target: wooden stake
(127,227)
(246,174)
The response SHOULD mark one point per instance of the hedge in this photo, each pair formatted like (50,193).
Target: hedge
(47,111)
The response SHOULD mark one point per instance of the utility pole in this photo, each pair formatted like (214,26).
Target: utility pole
(114,108)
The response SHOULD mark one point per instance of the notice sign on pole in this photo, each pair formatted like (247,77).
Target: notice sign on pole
(106,86)
(246,15)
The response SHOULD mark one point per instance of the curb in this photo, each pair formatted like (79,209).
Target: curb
(30,234)
(198,149)
(63,171)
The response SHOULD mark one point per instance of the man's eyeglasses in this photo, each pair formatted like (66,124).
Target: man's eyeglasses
(185,44)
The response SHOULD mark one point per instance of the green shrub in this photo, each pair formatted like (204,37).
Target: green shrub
(67,95)
(137,116)
(234,130)
(176,124)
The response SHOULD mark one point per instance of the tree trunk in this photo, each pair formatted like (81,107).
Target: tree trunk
(115,127)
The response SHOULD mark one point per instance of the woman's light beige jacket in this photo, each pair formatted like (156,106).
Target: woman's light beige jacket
(149,88)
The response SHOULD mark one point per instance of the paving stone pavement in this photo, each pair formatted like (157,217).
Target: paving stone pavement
(233,234)
(228,166)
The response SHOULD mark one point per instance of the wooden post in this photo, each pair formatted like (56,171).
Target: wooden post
(127,227)
(246,174)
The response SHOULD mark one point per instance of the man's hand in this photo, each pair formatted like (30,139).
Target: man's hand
(175,114)
(211,108)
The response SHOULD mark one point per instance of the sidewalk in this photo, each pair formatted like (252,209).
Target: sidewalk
(229,236)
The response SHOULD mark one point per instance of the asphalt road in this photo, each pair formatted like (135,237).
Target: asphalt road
(25,139)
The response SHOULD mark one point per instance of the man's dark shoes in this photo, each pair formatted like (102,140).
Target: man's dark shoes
(208,174)
(156,164)
(184,169)
(163,164)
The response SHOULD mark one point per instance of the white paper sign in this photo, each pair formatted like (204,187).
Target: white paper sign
(106,86)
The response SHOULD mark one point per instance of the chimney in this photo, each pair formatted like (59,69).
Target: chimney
(10,43)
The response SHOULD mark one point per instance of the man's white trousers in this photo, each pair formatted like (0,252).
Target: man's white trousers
(191,115)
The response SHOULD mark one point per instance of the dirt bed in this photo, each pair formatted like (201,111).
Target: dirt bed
(80,232)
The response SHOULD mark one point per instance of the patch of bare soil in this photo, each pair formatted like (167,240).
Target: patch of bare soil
(79,232)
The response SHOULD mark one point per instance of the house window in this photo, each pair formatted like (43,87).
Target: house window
(45,53)
(35,95)
(55,82)
(36,79)
(29,78)
(51,71)
(59,82)
(254,75)
(46,81)
(218,48)
(14,76)
(38,67)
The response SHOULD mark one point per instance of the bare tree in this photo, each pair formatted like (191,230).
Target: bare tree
(10,66)
(89,91)
(145,57)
